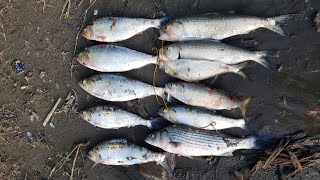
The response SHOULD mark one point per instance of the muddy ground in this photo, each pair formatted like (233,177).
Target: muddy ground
(32,33)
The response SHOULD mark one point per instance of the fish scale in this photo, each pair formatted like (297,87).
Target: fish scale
(113,87)
(215,51)
(218,26)
(114,29)
(200,118)
(122,152)
(188,141)
(113,58)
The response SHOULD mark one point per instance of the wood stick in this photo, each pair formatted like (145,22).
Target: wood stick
(51,113)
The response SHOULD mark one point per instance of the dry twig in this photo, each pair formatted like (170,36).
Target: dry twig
(46,120)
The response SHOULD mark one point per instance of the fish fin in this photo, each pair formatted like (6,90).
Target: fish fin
(156,123)
(249,120)
(230,153)
(239,71)
(264,62)
(243,106)
(167,167)
(168,97)
(275,24)
(269,53)
(262,58)
(175,144)
(214,80)
(94,165)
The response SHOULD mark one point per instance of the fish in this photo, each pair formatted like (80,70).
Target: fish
(219,26)
(199,95)
(199,118)
(215,51)
(122,152)
(196,70)
(114,87)
(114,29)
(187,141)
(112,117)
(113,58)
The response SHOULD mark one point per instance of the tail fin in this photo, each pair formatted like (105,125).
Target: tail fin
(168,163)
(275,24)
(262,55)
(249,120)
(239,68)
(161,22)
(156,123)
(243,106)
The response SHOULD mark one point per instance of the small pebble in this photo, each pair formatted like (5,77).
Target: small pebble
(95,12)
(42,74)
(52,125)
(30,136)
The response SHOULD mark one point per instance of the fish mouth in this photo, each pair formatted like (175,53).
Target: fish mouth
(163,37)
(81,84)
(87,32)
(148,139)
(82,58)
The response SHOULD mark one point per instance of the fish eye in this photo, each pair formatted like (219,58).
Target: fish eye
(152,136)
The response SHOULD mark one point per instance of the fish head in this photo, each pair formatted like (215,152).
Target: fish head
(95,154)
(166,113)
(88,84)
(172,88)
(85,115)
(172,31)
(83,58)
(170,52)
(162,112)
(158,139)
(88,32)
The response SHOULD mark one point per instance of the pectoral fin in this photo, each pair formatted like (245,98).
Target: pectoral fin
(175,144)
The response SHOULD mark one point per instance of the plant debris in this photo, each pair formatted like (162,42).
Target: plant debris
(292,156)
(314,113)
(317,21)
(34,117)
(69,104)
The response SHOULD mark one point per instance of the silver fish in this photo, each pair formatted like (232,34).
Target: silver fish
(113,29)
(122,152)
(113,87)
(187,141)
(199,118)
(112,117)
(215,51)
(196,70)
(202,96)
(218,26)
(112,58)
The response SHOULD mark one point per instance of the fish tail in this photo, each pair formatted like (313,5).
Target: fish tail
(275,24)
(155,123)
(160,22)
(238,70)
(243,106)
(165,163)
(248,120)
(262,58)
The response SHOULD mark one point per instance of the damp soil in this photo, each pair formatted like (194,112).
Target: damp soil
(32,33)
